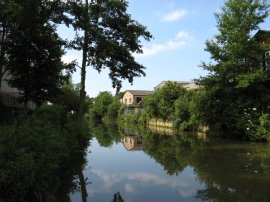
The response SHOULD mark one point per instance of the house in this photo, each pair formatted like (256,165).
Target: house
(186,84)
(134,97)
(9,96)
(263,36)
(133,143)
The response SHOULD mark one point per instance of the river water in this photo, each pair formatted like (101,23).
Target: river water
(139,165)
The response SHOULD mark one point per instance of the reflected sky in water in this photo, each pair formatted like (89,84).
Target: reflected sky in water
(148,166)
(135,175)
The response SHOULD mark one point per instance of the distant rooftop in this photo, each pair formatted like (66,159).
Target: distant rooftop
(262,35)
(186,84)
(140,92)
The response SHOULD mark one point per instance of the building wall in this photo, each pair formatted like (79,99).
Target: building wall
(127,98)
(5,87)
(9,97)
(130,99)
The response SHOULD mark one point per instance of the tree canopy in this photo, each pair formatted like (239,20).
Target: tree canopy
(31,49)
(237,81)
(110,37)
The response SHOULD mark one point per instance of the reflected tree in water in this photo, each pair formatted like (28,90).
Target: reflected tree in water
(233,172)
(106,135)
(227,170)
(117,197)
(173,152)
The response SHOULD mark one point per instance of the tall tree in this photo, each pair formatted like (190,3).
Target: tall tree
(237,80)
(110,37)
(5,15)
(32,50)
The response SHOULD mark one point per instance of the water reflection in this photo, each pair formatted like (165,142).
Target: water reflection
(175,167)
(117,197)
(133,143)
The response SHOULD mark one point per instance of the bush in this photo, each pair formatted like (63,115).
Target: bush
(34,150)
(263,130)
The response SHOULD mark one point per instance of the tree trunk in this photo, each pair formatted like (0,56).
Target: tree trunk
(83,186)
(84,60)
(2,54)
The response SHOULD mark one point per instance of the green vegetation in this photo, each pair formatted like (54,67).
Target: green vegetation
(110,37)
(68,96)
(35,152)
(237,88)
(161,103)
(105,108)
(30,48)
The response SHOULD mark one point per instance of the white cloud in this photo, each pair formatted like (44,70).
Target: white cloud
(181,40)
(174,16)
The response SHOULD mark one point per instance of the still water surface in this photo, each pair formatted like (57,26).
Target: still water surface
(146,166)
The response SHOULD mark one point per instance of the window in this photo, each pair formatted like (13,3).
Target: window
(138,99)
(130,100)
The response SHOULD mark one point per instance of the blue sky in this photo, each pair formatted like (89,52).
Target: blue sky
(180,29)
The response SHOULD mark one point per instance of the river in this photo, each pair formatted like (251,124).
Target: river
(139,165)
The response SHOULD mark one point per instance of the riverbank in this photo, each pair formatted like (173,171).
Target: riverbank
(35,151)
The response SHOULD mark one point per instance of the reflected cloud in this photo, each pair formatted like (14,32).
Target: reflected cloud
(129,188)
(132,181)
(108,179)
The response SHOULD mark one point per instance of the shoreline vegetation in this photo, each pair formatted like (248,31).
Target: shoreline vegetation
(37,154)
(174,107)
(38,147)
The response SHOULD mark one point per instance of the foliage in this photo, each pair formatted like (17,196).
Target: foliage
(137,118)
(110,31)
(113,110)
(110,37)
(186,115)
(236,74)
(33,48)
(100,107)
(69,96)
(160,104)
(263,128)
(34,150)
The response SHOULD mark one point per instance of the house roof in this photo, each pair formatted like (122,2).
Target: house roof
(262,35)
(184,83)
(140,92)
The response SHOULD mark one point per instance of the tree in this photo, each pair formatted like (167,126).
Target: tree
(31,50)
(5,15)
(161,103)
(110,37)
(237,79)
(100,107)
(69,96)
